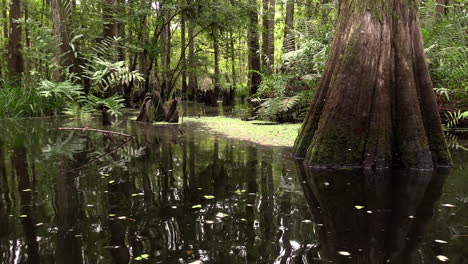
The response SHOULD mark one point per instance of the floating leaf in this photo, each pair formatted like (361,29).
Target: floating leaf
(112,215)
(449,205)
(344,253)
(142,257)
(209,197)
(197,206)
(359,207)
(442,258)
(440,241)
(111,182)
(23,216)
(27,190)
(221,215)
(243,220)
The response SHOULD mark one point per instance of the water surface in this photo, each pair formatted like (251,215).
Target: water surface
(182,195)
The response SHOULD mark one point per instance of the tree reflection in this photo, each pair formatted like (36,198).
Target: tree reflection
(371,216)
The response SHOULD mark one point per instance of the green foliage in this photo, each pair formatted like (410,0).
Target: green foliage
(447,55)
(103,72)
(284,97)
(20,102)
(454,118)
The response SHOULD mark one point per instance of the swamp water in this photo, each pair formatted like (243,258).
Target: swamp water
(185,195)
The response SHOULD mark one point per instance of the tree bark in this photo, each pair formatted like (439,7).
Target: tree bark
(15,56)
(289,43)
(64,54)
(375,106)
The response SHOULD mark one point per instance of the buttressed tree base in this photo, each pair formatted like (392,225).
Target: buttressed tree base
(375,106)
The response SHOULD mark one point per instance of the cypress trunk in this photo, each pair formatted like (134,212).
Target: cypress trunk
(15,56)
(375,105)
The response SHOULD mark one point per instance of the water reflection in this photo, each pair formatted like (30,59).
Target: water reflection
(172,197)
(371,216)
(165,197)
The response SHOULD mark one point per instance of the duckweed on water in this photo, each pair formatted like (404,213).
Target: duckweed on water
(260,132)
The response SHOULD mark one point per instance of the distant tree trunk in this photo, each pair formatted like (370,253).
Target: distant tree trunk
(217,73)
(268,35)
(64,54)
(265,36)
(441,10)
(271,35)
(375,106)
(108,13)
(15,56)
(308,7)
(254,52)
(233,61)
(26,26)
(120,31)
(192,85)
(166,61)
(289,43)
(5,18)
(183,56)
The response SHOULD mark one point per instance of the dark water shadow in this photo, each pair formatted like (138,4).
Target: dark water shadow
(371,216)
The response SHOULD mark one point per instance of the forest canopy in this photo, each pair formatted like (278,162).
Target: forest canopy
(76,57)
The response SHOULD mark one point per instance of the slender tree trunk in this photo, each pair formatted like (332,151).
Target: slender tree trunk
(375,106)
(271,35)
(120,30)
(217,73)
(441,10)
(15,56)
(108,12)
(192,85)
(289,42)
(166,61)
(5,18)
(233,61)
(254,52)
(182,54)
(266,36)
(64,54)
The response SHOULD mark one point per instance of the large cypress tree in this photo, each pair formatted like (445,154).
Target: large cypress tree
(375,105)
